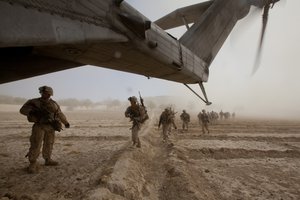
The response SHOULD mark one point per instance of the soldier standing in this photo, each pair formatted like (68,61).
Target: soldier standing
(203,119)
(185,117)
(166,119)
(47,117)
(138,115)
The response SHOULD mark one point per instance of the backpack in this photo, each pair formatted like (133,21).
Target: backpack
(144,115)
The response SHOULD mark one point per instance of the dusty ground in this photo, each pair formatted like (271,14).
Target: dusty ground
(241,159)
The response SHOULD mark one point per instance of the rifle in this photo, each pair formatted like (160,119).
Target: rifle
(145,116)
(141,100)
(51,118)
(43,115)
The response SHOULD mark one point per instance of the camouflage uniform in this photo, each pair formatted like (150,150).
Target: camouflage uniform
(204,120)
(185,117)
(42,112)
(166,119)
(138,115)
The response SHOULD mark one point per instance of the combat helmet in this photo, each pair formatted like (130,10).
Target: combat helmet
(46,89)
(133,98)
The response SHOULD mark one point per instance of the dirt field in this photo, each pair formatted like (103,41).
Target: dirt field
(239,159)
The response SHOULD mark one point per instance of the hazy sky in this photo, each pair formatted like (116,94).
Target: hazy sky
(274,90)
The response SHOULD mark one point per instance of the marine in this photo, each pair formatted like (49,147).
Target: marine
(185,117)
(138,115)
(47,117)
(203,120)
(166,119)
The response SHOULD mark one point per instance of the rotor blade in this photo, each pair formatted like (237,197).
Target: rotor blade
(243,25)
(263,30)
(281,3)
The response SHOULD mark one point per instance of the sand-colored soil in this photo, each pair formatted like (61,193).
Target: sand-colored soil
(239,159)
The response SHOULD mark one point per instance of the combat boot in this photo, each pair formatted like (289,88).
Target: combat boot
(138,144)
(33,168)
(50,162)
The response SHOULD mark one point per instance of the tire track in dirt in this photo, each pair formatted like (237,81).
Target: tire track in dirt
(167,171)
(156,171)
(227,153)
(239,138)
(133,173)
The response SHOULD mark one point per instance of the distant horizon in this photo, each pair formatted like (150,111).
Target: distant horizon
(160,102)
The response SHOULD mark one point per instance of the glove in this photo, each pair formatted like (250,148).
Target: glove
(67,125)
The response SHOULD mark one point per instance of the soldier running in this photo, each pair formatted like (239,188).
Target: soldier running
(138,115)
(185,117)
(166,119)
(203,119)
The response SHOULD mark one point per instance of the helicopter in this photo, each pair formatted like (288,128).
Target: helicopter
(39,37)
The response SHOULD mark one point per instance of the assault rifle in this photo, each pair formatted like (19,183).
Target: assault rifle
(145,114)
(45,116)
(51,118)
(141,100)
